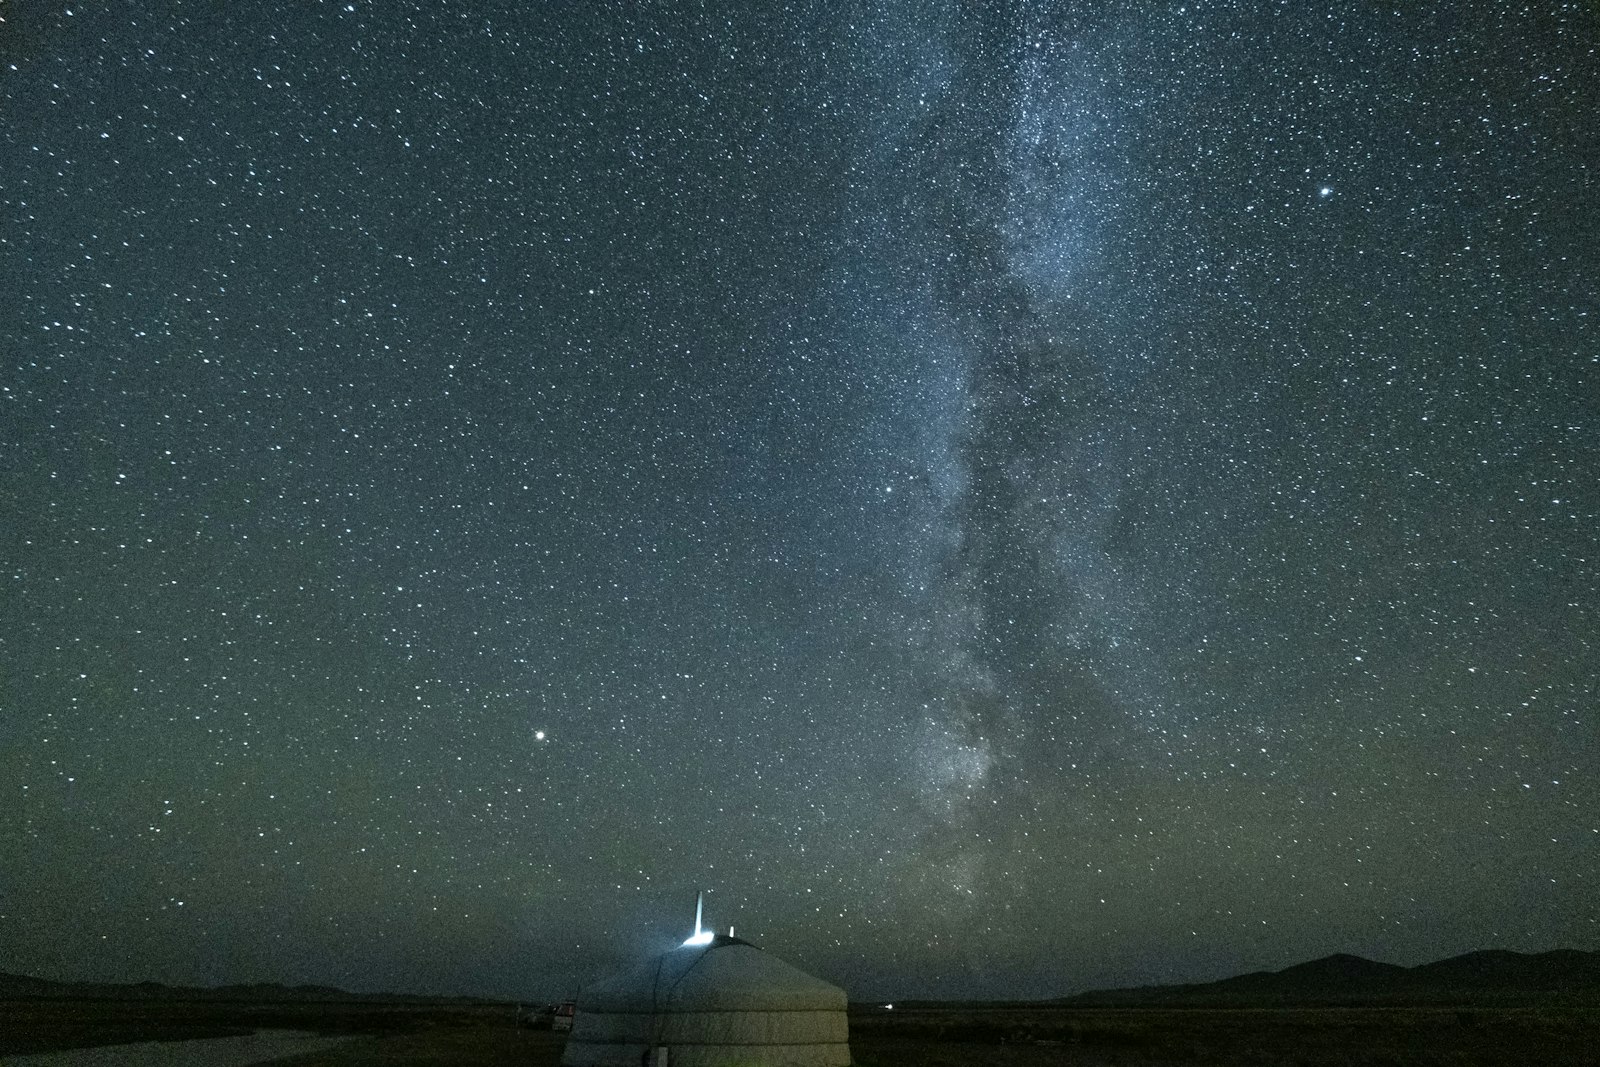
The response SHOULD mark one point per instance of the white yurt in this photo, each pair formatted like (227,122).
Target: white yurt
(714,1001)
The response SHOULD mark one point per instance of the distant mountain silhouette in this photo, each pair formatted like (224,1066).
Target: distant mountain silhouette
(1491,974)
(1499,969)
(14,986)
(1337,971)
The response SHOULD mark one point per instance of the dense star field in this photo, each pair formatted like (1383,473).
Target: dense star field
(1011,497)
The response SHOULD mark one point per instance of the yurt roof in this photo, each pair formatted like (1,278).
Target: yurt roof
(726,975)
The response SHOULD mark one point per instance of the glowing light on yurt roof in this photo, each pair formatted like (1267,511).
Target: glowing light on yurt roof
(714,1001)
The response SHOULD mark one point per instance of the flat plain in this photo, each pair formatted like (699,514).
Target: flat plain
(1554,1032)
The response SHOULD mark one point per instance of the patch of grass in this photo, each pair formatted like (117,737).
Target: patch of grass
(482,1046)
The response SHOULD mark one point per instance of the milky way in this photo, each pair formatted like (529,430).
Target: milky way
(1011,497)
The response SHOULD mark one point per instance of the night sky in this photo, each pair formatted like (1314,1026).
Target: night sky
(1013,498)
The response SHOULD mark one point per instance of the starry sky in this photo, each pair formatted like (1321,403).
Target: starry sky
(1012,497)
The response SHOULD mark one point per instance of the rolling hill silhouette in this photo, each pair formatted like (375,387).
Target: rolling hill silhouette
(1341,978)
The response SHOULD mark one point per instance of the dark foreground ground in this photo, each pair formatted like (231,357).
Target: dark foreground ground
(1563,1034)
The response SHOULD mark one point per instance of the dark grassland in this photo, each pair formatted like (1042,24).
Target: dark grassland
(1558,1032)
(49,1024)
(1564,1034)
